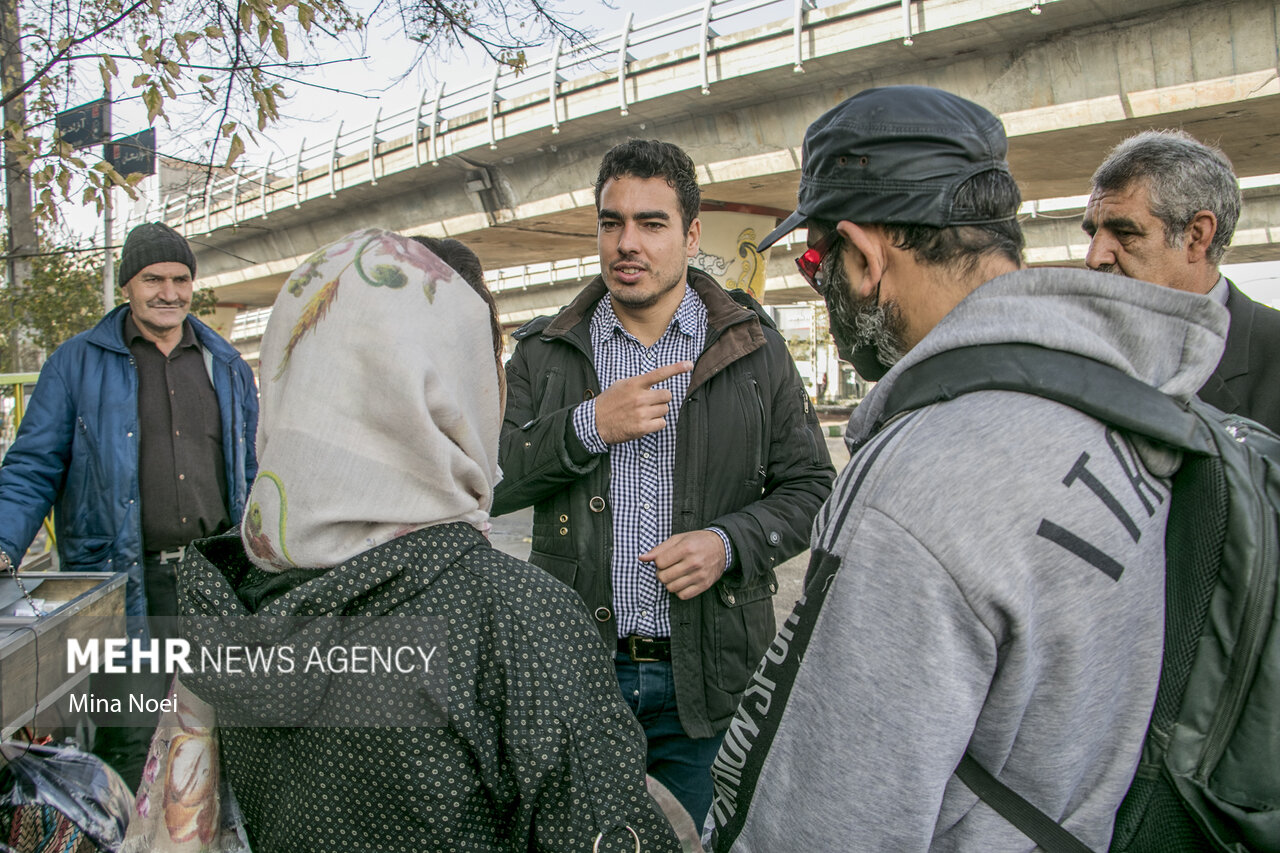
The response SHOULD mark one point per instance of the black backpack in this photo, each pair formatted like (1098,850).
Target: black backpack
(1209,776)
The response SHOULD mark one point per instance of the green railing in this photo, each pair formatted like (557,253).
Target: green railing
(16,387)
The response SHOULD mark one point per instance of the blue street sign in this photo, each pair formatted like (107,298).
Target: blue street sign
(133,154)
(84,125)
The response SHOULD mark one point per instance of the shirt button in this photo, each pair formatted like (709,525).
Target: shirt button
(184,521)
(177,432)
(182,476)
(648,505)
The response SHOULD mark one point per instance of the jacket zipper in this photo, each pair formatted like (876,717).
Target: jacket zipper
(1238,679)
(814,456)
(95,454)
(764,450)
(137,470)
(239,449)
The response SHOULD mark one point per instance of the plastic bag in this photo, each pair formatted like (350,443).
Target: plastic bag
(60,798)
(185,804)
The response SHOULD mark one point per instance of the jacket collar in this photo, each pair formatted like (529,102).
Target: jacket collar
(733,331)
(1235,357)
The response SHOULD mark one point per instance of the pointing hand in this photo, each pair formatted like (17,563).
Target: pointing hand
(631,408)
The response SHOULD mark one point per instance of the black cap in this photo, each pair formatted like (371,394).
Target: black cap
(896,156)
(153,243)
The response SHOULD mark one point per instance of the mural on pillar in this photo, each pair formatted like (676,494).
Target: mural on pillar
(728,250)
(751,278)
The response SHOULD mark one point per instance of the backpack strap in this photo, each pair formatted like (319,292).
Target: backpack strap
(1099,390)
(1035,824)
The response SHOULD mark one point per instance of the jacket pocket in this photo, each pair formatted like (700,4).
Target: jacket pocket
(809,427)
(754,433)
(85,553)
(562,569)
(742,626)
(86,478)
(549,392)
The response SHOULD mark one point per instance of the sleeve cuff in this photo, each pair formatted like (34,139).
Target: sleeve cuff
(728,547)
(584,426)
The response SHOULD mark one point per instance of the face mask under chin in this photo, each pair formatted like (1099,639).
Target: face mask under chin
(865,333)
(866,361)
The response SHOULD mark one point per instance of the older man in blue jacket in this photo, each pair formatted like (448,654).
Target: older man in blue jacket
(140,434)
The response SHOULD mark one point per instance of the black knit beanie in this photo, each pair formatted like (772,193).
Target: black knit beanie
(153,243)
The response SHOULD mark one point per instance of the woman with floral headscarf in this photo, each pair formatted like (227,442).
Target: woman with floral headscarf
(383,678)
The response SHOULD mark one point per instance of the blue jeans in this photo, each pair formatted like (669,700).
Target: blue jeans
(681,763)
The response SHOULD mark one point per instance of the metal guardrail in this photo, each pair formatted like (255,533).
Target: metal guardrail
(260,192)
(15,384)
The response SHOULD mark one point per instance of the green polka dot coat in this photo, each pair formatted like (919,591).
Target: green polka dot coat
(500,729)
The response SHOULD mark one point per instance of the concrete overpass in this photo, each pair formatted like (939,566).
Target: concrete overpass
(510,172)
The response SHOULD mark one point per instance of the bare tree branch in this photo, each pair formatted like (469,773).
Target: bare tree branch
(59,56)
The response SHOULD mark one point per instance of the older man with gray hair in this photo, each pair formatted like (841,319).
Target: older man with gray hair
(1163,209)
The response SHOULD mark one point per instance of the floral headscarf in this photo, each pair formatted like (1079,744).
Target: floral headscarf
(380,405)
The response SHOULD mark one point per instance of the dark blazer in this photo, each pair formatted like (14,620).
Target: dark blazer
(1247,381)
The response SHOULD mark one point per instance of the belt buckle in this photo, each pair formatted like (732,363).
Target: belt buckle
(632,643)
(175,554)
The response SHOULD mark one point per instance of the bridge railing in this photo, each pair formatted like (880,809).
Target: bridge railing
(250,325)
(250,192)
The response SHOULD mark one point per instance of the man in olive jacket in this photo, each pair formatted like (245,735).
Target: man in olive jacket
(660,429)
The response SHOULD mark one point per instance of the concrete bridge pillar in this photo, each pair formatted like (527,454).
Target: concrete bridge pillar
(728,251)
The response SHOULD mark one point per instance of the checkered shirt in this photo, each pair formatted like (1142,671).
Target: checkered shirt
(641,471)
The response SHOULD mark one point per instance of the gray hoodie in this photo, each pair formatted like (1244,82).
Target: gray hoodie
(987,575)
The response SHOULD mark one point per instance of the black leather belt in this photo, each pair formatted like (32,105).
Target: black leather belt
(645,649)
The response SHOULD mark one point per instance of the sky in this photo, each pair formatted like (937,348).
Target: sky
(361,74)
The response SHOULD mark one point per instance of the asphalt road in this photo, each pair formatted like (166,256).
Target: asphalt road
(511,533)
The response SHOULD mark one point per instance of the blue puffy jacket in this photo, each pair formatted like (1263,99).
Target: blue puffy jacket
(77,451)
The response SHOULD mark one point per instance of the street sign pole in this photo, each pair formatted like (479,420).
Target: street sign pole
(108,264)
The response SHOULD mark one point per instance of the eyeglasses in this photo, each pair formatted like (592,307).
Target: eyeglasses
(811,260)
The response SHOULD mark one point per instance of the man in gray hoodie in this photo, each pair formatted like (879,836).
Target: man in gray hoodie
(989,572)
